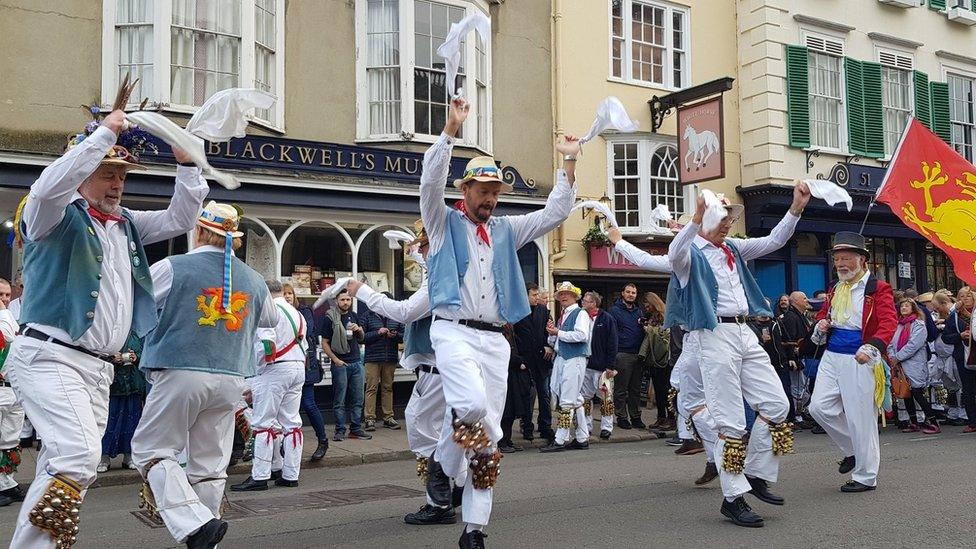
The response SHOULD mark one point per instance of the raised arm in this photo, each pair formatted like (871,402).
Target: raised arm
(637,256)
(433,175)
(559,204)
(181,215)
(751,248)
(414,308)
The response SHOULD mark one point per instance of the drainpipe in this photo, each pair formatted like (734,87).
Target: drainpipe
(559,240)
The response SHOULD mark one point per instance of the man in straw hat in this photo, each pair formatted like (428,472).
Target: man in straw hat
(570,337)
(89,289)
(853,330)
(213,303)
(713,293)
(476,286)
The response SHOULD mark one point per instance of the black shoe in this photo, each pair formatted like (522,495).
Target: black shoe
(710,474)
(552,447)
(624,423)
(320,450)
(760,489)
(854,486)
(275,475)
(638,423)
(360,434)
(605,435)
(208,536)
(846,465)
(818,430)
(285,483)
(690,448)
(428,514)
(506,447)
(472,540)
(250,485)
(5,501)
(528,436)
(674,441)
(457,496)
(741,514)
(577,445)
(338,436)
(16,493)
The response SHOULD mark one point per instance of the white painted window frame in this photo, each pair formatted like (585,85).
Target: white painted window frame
(162,43)
(626,61)
(961,71)
(881,50)
(804,33)
(407,63)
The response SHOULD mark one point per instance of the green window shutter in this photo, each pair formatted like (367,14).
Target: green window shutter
(854,81)
(873,110)
(937,4)
(797,96)
(923,105)
(941,124)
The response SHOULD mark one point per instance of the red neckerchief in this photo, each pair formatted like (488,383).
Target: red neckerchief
(482,232)
(593,314)
(729,258)
(103,217)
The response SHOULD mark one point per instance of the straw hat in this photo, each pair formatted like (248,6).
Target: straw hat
(567,286)
(222,219)
(734,210)
(484,169)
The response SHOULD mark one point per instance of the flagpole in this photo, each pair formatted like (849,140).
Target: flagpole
(874,197)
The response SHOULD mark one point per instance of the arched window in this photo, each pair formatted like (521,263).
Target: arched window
(665,188)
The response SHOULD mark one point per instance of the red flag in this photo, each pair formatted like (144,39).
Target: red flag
(932,189)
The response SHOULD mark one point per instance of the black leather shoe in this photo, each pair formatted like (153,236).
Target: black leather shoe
(275,475)
(817,429)
(208,536)
(741,514)
(846,465)
(16,493)
(854,486)
(710,474)
(428,514)
(320,450)
(472,540)
(577,445)
(5,501)
(760,489)
(638,423)
(604,434)
(552,447)
(457,495)
(624,423)
(250,485)
(285,483)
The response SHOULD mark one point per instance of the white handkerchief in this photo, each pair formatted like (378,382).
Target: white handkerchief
(397,236)
(600,208)
(450,50)
(829,192)
(714,211)
(661,213)
(223,116)
(331,292)
(610,115)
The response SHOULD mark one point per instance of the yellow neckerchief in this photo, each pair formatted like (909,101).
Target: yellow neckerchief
(842,304)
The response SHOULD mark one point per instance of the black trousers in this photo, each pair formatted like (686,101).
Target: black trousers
(661,381)
(918,395)
(967,378)
(627,386)
(539,371)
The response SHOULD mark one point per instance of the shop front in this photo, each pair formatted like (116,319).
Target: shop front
(608,271)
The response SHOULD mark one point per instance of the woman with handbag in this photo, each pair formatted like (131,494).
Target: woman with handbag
(655,353)
(908,351)
(957,332)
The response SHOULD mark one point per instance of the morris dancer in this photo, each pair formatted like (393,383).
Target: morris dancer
(11,412)
(476,286)
(276,394)
(712,292)
(194,394)
(570,337)
(598,380)
(84,251)
(856,323)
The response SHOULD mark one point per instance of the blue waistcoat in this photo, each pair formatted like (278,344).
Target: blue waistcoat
(447,266)
(63,272)
(416,338)
(566,349)
(694,305)
(192,334)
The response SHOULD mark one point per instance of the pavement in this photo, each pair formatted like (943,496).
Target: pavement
(613,495)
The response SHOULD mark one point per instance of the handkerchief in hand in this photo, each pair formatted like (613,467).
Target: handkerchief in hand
(829,192)
(610,115)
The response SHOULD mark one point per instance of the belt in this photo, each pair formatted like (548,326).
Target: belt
(5,384)
(477,325)
(738,319)
(37,334)
(428,368)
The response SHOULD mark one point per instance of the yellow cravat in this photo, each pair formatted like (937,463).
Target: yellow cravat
(842,304)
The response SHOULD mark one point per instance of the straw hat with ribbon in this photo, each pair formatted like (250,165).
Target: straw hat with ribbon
(131,142)
(484,169)
(223,219)
(567,286)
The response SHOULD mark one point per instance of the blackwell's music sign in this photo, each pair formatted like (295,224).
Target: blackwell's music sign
(293,155)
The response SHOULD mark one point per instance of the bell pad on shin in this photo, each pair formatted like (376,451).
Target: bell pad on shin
(734,455)
(470,436)
(783,439)
(484,469)
(422,469)
(59,511)
(564,419)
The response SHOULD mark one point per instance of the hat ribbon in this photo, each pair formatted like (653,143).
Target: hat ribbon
(482,171)
(208,219)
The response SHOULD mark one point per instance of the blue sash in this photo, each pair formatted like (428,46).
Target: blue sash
(844,342)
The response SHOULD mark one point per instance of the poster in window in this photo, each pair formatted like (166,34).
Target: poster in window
(413,274)
(701,143)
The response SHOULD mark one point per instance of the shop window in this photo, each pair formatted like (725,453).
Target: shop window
(941,273)
(808,245)
(313,255)
(883,262)
(649,43)
(643,174)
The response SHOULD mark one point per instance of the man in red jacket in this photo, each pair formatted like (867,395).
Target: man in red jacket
(853,330)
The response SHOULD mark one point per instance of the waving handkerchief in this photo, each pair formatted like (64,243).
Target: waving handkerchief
(397,236)
(661,213)
(829,192)
(331,292)
(223,116)
(450,50)
(600,208)
(714,211)
(610,115)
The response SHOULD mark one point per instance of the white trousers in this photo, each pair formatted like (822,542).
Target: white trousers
(691,395)
(684,433)
(734,366)
(191,409)
(424,414)
(843,404)
(566,385)
(11,421)
(591,382)
(276,395)
(65,393)
(473,366)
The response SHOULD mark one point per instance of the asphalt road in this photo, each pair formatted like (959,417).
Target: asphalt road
(614,495)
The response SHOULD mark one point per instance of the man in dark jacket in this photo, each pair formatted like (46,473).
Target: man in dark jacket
(794,328)
(630,334)
(603,353)
(382,339)
(768,331)
(530,341)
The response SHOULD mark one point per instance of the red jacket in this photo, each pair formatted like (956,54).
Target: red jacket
(879,320)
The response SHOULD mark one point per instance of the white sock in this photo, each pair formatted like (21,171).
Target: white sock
(472,527)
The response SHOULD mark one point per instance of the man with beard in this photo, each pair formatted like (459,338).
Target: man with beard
(630,334)
(856,324)
(476,286)
(712,293)
(530,340)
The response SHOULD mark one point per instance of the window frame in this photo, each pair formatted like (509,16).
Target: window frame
(161,93)
(969,73)
(407,45)
(647,146)
(842,122)
(626,60)
(879,53)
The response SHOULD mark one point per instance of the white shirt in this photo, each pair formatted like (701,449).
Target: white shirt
(644,260)
(57,187)
(731,295)
(857,305)
(578,333)
(162,277)
(479,300)
(8,325)
(14,308)
(409,310)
